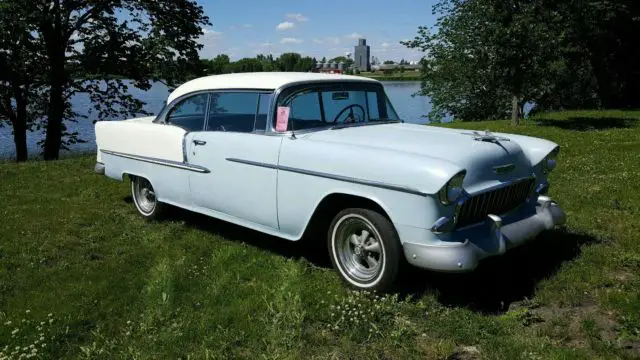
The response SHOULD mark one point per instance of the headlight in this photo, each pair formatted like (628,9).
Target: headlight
(549,162)
(452,191)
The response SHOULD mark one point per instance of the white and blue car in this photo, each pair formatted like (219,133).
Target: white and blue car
(296,154)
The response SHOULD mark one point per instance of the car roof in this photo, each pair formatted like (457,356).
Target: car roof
(257,80)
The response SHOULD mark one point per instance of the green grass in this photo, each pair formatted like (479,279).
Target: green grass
(83,274)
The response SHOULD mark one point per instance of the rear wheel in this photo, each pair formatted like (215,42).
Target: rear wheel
(144,197)
(365,249)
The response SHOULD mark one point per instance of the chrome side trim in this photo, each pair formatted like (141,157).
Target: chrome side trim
(174,164)
(332,177)
(253,163)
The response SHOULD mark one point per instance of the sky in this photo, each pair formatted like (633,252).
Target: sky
(245,28)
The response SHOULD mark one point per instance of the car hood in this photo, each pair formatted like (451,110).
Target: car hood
(456,146)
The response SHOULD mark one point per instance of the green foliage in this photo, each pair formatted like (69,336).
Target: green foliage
(485,55)
(22,102)
(221,64)
(89,46)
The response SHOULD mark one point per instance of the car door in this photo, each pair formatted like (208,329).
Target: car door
(240,158)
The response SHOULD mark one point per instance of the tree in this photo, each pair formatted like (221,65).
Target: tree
(218,64)
(288,61)
(486,56)
(244,65)
(89,46)
(304,65)
(389,62)
(21,103)
(600,40)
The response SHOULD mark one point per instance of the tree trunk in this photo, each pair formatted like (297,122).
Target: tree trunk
(53,139)
(20,139)
(515,111)
(56,48)
(19,119)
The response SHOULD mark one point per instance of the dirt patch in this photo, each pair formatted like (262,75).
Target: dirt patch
(576,327)
(465,353)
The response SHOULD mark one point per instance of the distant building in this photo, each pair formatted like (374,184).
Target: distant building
(362,56)
(329,68)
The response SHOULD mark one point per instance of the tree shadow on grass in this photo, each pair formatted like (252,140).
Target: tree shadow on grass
(496,283)
(315,252)
(589,123)
(500,281)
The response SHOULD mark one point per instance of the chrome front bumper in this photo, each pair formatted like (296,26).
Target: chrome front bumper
(494,237)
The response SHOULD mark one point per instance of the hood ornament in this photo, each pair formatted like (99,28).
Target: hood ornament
(486,136)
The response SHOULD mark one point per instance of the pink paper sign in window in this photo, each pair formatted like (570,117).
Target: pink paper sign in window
(282,120)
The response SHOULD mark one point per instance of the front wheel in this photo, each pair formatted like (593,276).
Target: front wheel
(365,249)
(144,197)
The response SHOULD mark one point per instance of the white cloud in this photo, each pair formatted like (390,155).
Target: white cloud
(297,17)
(206,32)
(290,40)
(247,26)
(266,44)
(287,25)
(354,36)
(211,41)
(385,45)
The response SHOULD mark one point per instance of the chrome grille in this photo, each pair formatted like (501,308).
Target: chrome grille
(496,202)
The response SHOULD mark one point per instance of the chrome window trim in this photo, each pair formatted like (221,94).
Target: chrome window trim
(271,130)
(162,116)
(377,184)
(163,162)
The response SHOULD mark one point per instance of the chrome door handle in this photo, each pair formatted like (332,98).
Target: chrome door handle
(199,142)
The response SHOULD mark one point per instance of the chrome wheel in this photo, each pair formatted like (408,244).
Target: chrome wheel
(143,195)
(358,249)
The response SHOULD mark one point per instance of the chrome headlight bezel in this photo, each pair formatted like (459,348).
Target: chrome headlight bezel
(452,191)
(550,161)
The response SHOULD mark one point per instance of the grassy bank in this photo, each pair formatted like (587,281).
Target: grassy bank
(83,276)
(405,76)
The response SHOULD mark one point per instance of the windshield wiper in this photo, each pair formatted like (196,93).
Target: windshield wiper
(357,124)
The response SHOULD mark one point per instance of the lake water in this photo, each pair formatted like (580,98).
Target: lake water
(409,108)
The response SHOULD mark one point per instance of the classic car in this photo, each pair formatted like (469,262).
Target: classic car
(296,155)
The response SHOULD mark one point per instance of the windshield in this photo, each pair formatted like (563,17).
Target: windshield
(336,105)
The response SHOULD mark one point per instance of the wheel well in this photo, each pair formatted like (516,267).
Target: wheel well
(331,205)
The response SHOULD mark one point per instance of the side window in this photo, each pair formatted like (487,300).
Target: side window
(189,113)
(229,111)
(372,102)
(305,111)
(264,101)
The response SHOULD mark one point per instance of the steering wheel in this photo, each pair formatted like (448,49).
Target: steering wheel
(351,114)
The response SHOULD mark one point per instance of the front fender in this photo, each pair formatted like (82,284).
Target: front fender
(416,173)
(535,149)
